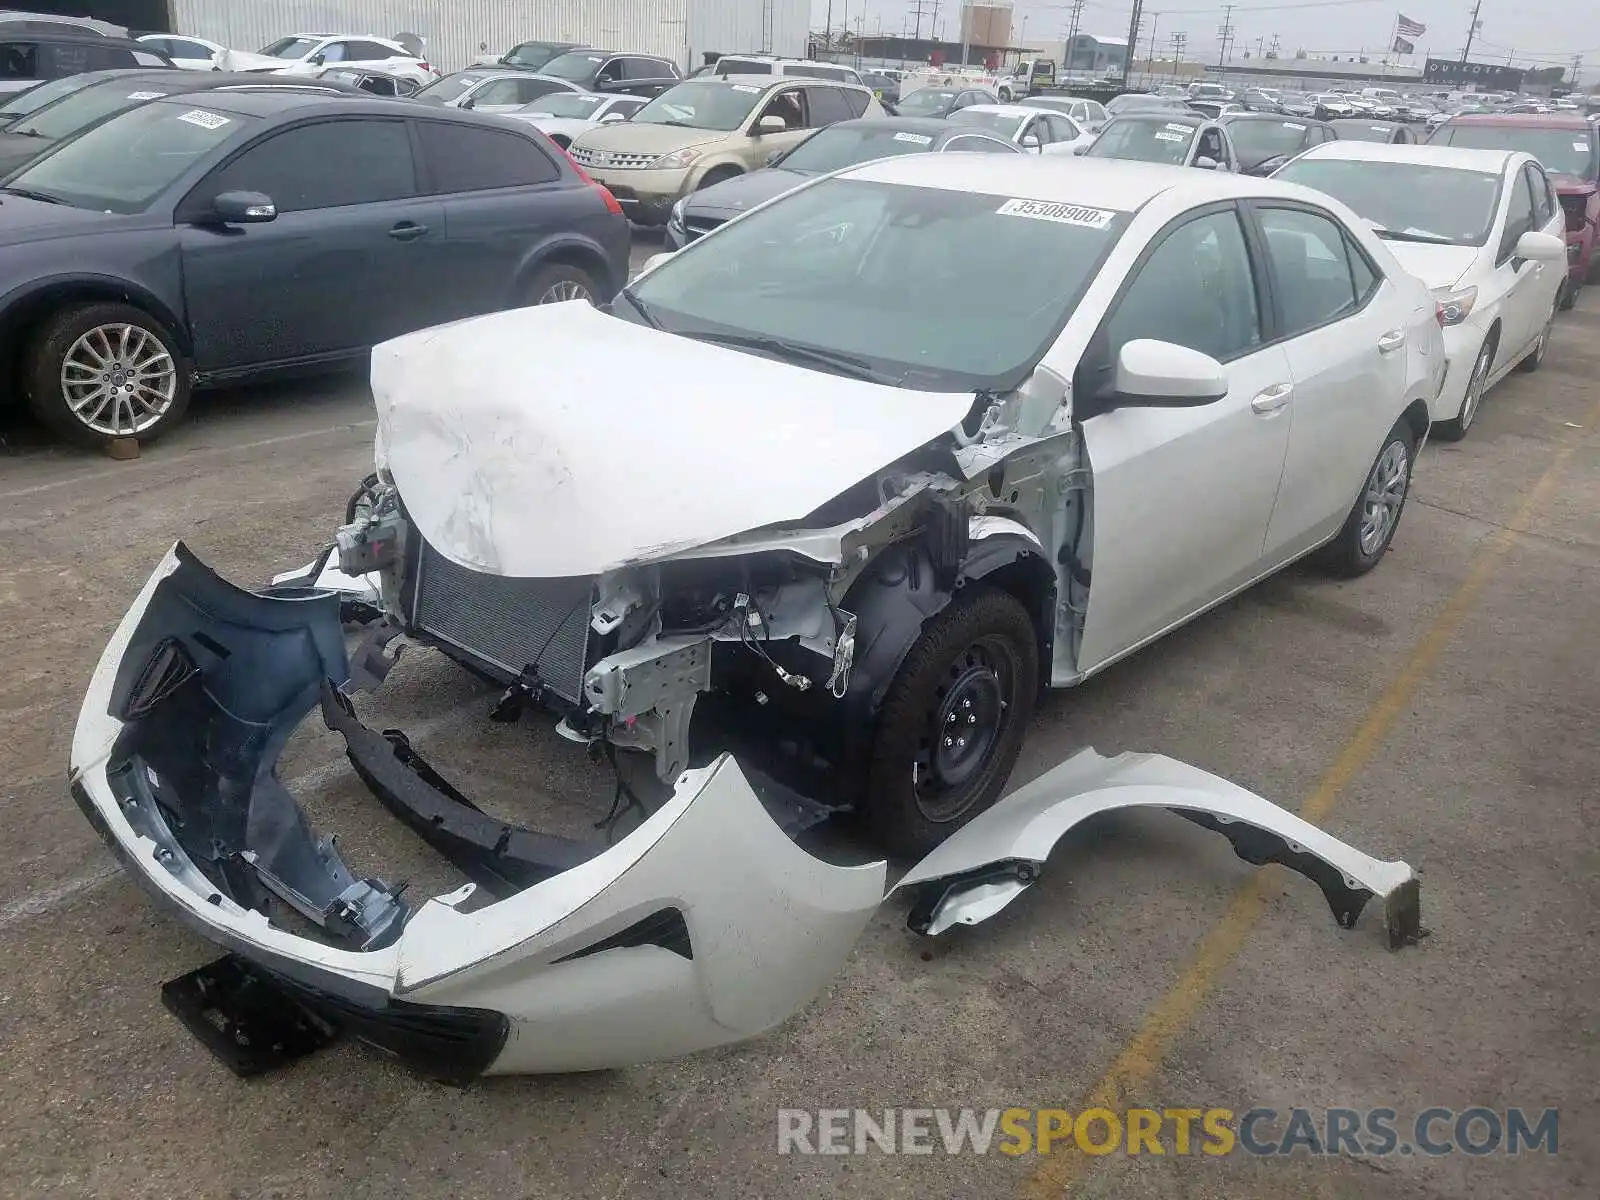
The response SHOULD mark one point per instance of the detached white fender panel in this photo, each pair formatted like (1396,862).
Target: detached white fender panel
(996,857)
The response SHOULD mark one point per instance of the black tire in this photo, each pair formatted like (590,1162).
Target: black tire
(45,361)
(1534,358)
(1353,552)
(555,282)
(1456,427)
(975,666)
(1569,294)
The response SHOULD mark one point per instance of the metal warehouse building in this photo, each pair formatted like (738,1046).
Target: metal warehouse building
(456,32)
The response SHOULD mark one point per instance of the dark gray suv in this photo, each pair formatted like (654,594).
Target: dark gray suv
(217,236)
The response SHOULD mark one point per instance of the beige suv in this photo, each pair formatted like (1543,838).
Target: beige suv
(709,129)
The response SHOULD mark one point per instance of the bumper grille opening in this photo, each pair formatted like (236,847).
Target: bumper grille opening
(508,626)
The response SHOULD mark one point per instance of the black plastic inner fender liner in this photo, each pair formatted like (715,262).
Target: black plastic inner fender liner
(665,928)
(254,1021)
(501,858)
(931,895)
(1257,846)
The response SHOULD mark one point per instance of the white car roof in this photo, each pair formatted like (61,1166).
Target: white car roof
(1012,110)
(1490,162)
(1092,182)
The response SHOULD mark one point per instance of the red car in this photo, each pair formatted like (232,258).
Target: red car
(1569,148)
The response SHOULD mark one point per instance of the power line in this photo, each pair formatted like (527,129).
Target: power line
(1225,35)
(1472,30)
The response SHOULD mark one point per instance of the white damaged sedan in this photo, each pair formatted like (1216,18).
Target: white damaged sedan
(788,530)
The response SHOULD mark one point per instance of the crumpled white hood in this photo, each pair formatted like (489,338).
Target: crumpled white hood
(558,440)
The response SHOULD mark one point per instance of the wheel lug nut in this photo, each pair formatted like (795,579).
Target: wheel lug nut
(949,742)
(971,720)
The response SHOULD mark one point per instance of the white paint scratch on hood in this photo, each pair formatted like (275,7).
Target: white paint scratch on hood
(558,440)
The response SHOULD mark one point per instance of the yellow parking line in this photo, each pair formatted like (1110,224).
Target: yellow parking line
(1127,1081)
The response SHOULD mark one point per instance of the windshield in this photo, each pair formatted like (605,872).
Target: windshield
(1258,141)
(1002,123)
(1142,103)
(122,165)
(574,66)
(826,269)
(532,54)
(843,146)
(290,47)
(452,87)
(701,104)
(1362,131)
(35,98)
(925,101)
(85,107)
(1562,151)
(1144,140)
(565,104)
(1424,203)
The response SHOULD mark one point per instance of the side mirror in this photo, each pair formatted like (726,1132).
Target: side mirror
(1206,164)
(1541,247)
(252,208)
(655,260)
(1031,142)
(770,125)
(1080,150)
(316,60)
(1152,374)
(613,117)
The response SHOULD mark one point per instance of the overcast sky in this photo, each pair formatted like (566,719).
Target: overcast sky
(1534,32)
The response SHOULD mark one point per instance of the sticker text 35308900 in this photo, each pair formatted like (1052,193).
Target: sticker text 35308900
(1065,214)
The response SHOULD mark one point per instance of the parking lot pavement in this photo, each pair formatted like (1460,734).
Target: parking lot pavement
(1439,709)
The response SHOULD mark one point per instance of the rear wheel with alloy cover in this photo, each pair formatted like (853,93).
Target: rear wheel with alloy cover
(952,724)
(562,281)
(101,372)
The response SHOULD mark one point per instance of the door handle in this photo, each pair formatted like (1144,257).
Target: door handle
(1391,341)
(1271,399)
(408,231)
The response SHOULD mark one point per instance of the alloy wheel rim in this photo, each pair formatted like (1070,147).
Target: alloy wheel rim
(965,725)
(1385,495)
(563,290)
(1469,406)
(118,380)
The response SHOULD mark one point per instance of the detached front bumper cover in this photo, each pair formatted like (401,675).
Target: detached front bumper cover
(706,925)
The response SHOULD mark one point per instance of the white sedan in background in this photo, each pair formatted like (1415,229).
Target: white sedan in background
(566,116)
(1035,130)
(304,53)
(1483,229)
(198,54)
(491,91)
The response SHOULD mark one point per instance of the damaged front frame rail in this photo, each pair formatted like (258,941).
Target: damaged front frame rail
(705,925)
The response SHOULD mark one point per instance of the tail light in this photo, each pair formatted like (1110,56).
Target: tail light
(611,204)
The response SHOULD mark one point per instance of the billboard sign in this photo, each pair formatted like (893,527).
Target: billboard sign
(1489,75)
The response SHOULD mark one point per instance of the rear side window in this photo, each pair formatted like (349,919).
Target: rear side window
(19,60)
(331,164)
(646,68)
(143,58)
(464,158)
(1543,210)
(1317,281)
(855,101)
(827,106)
(979,145)
(739,66)
(367,52)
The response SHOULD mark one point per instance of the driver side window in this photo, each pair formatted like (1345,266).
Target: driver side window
(785,104)
(1519,217)
(1195,289)
(333,52)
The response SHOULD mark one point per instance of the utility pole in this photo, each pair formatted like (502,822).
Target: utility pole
(1179,40)
(918,11)
(1472,31)
(1072,34)
(1577,64)
(1225,35)
(827,29)
(1272,50)
(1133,40)
(1150,59)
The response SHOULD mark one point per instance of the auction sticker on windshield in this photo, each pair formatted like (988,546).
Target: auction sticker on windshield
(745,87)
(1065,214)
(145,95)
(1293,125)
(206,120)
(1176,128)
(1163,136)
(917,139)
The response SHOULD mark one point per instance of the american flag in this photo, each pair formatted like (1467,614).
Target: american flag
(1407,28)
